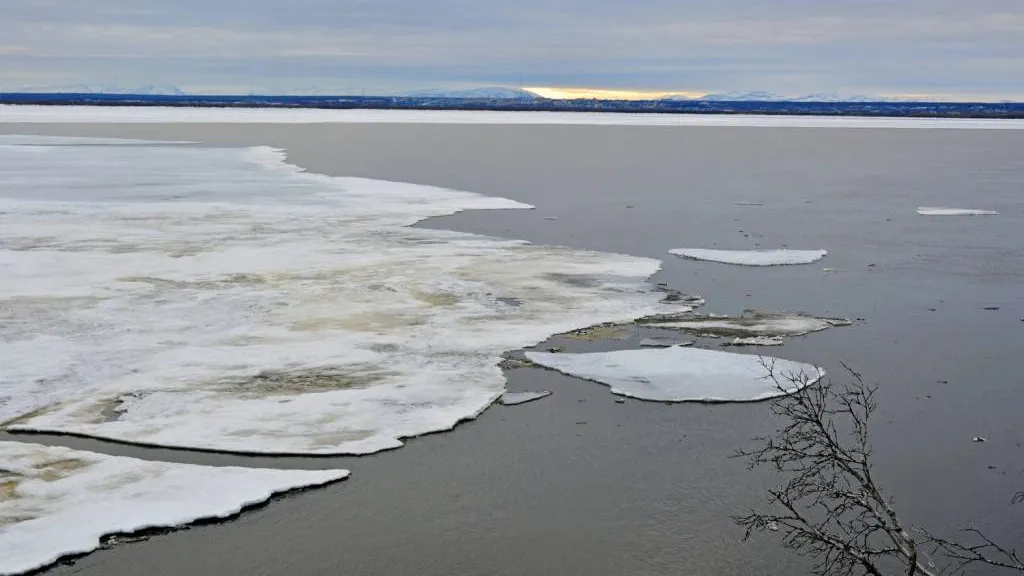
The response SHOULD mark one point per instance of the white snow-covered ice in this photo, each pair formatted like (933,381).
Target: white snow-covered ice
(122,114)
(751,257)
(219,298)
(937,211)
(680,374)
(41,140)
(517,398)
(56,501)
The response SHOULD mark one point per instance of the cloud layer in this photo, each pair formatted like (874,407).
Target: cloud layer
(941,47)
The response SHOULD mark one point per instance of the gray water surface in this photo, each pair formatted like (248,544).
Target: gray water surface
(579,484)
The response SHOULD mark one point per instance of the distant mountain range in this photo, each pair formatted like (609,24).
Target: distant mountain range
(762,96)
(499,93)
(147,89)
(484,93)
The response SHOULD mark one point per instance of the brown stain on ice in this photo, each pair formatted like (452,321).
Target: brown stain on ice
(8,490)
(56,469)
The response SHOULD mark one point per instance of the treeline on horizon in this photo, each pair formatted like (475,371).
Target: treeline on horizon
(1006,110)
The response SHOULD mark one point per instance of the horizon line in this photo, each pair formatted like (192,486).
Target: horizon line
(558,94)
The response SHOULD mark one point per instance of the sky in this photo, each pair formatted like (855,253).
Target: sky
(949,49)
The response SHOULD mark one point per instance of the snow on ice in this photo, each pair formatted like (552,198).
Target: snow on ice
(57,501)
(751,257)
(679,374)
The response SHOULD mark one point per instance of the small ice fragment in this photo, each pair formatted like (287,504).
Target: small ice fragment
(979,439)
(756,341)
(937,211)
(516,398)
(57,501)
(551,217)
(751,257)
(673,296)
(679,374)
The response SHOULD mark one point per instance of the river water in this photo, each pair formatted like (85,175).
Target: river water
(579,484)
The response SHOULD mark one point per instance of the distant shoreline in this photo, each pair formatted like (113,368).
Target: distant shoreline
(980,110)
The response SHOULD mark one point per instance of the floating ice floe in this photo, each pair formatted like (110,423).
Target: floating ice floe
(751,257)
(222,299)
(936,211)
(749,324)
(56,501)
(679,374)
(517,398)
(756,341)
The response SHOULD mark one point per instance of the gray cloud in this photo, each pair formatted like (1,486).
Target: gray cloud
(790,46)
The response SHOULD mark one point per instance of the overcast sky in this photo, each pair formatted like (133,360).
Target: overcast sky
(949,48)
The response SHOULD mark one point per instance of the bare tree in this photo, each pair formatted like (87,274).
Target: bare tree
(830,508)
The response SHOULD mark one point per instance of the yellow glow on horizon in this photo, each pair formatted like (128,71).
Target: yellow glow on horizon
(560,93)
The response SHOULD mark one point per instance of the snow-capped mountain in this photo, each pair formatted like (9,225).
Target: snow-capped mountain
(834,97)
(147,89)
(490,93)
(755,96)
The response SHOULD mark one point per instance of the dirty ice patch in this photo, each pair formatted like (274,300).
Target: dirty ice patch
(664,342)
(936,211)
(221,299)
(56,501)
(680,374)
(751,323)
(751,257)
(756,341)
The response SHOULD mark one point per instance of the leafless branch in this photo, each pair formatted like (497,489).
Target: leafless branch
(830,507)
(982,550)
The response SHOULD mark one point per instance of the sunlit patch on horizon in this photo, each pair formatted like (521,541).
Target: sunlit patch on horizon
(565,93)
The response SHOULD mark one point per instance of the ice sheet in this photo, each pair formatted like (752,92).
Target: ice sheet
(34,140)
(517,398)
(751,257)
(750,323)
(30,113)
(680,374)
(935,211)
(57,501)
(221,299)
